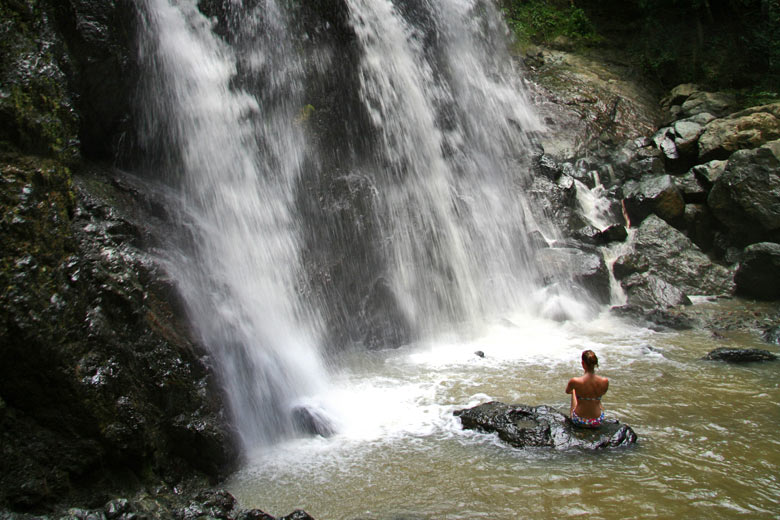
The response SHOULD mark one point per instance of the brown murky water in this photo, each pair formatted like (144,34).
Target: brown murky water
(709,445)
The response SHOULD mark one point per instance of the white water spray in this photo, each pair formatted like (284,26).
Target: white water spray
(454,155)
(239,161)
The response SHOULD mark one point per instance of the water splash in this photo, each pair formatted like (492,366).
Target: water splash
(236,159)
(453,157)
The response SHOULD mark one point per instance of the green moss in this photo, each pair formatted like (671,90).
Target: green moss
(35,110)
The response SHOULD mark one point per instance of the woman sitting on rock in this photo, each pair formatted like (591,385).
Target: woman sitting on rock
(586,392)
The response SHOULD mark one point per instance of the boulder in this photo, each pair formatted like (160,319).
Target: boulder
(746,197)
(691,187)
(664,140)
(648,291)
(187,501)
(667,253)
(657,195)
(587,269)
(310,421)
(709,172)
(715,103)
(656,318)
(758,274)
(686,134)
(588,235)
(679,94)
(557,200)
(746,129)
(613,233)
(740,355)
(542,427)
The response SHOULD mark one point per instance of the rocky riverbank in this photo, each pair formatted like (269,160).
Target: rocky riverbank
(694,179)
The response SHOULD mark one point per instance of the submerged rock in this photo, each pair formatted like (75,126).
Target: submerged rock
(542,427)
(740,355)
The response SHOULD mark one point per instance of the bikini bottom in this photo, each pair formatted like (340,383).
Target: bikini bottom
(586,422)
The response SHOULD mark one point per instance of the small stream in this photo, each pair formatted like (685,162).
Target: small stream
(708,445)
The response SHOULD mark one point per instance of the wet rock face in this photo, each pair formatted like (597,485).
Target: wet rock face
(98,373)
(37,112)
(103,69)
(542,427)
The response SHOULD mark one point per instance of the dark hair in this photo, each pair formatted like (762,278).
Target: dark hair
(590,359)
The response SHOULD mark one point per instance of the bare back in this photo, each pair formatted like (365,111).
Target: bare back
(588,390)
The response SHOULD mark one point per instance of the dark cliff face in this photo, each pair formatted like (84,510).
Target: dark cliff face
(102,386)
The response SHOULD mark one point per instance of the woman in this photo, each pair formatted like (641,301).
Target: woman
(586,391)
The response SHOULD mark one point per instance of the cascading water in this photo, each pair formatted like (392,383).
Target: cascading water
(452,157)
(448,160)
(238,158)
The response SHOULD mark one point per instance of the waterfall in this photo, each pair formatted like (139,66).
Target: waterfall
(452,158)
(445,160)
(238,160)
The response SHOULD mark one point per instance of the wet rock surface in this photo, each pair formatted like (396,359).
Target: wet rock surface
(190,500)
(542,427)
(101,381)
(740,355)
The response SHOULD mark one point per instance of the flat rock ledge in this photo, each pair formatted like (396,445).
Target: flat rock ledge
(525,426)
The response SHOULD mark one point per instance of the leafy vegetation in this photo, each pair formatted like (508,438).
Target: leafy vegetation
(544,21)
(725,44)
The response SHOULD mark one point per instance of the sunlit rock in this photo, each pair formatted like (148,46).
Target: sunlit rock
(746,129)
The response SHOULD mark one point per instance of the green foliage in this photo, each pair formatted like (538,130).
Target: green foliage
(724,44)
(542,21)
(718,43)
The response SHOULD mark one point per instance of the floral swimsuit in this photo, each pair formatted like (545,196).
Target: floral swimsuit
(587,422)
